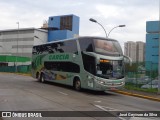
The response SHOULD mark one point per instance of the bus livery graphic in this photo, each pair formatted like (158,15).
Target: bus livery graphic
(59,57)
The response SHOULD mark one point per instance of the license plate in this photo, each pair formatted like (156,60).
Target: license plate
(112,88)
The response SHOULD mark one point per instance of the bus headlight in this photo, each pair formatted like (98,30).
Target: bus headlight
(101,82)
(89,77)
(122,83)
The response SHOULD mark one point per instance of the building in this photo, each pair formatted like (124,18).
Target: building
(135,50)
(19,42)
(130,50)
(152,44)
(63,27)
(140,51)
(16,44)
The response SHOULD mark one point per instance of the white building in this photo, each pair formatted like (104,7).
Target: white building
(140,49)
(130,50)
(19,42)
(135,50)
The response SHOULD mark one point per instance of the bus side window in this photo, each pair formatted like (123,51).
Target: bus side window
(89,63)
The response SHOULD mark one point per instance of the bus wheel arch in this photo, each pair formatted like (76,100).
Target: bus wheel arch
(37,75)
(77,83)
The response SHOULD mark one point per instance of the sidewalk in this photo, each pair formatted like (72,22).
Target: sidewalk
(141,94)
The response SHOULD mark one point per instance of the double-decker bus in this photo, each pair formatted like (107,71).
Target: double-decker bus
(93,63)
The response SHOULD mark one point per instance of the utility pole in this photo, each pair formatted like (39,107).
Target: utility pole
(17,48)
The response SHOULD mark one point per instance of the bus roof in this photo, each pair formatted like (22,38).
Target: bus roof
(76,39)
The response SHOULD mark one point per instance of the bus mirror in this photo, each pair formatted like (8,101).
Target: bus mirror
(126,59)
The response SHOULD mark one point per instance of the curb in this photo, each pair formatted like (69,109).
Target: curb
(23,74)
(137,95)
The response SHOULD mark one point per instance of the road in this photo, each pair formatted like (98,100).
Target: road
(23,93)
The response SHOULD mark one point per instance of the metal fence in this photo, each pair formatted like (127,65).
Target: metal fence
(142,76)
(19,69)
(20,64)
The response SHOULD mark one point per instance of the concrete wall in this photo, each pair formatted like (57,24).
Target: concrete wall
(24,38)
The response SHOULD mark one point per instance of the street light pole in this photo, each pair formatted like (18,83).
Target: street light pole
(93,20)
(114,28)
(17,46)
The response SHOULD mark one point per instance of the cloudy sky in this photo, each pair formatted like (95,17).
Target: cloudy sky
(110,13)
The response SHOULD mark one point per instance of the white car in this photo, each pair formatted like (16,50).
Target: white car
(152,84)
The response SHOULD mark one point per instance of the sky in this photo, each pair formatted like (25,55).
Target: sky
(109,13)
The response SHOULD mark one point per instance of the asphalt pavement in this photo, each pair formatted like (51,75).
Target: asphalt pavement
(23,93)
(135,93)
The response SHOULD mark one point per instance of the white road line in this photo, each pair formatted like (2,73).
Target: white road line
(63,93)
(106,108)
(109,109)
(98,101)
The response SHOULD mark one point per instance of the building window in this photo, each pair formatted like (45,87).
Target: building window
(155,38)
(66,23)
(154,46)
(155,55)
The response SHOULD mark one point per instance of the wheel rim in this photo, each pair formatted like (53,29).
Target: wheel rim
(39,78)
(42,78)
(78,85)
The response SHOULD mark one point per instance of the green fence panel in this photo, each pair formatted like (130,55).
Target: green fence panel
(20,69)
(7,69)
(7,58)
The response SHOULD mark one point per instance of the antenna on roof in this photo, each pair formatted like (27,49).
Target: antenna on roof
(45,24)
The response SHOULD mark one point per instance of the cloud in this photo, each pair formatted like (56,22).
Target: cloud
(110,13)
(133,14)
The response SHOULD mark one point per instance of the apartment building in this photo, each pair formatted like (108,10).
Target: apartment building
(135,50)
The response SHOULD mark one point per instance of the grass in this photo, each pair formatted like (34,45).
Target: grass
(138,88)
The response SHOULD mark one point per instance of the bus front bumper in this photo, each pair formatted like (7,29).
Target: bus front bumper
(109,84)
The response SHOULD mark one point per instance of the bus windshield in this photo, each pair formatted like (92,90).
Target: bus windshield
(110,69)
(107,47)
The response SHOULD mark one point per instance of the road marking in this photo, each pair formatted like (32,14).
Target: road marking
(104,108)
(98,101)
(63,93)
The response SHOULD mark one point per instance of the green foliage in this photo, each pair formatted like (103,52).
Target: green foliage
(132,68)
(133,87)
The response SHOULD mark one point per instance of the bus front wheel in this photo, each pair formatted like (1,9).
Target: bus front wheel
(77,84)
(42,78)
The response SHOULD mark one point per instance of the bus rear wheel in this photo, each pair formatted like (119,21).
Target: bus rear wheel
(38,77)
(77,85)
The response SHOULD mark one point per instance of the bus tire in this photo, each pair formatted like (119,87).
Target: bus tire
(77,84)
(42,78)
(38,76)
